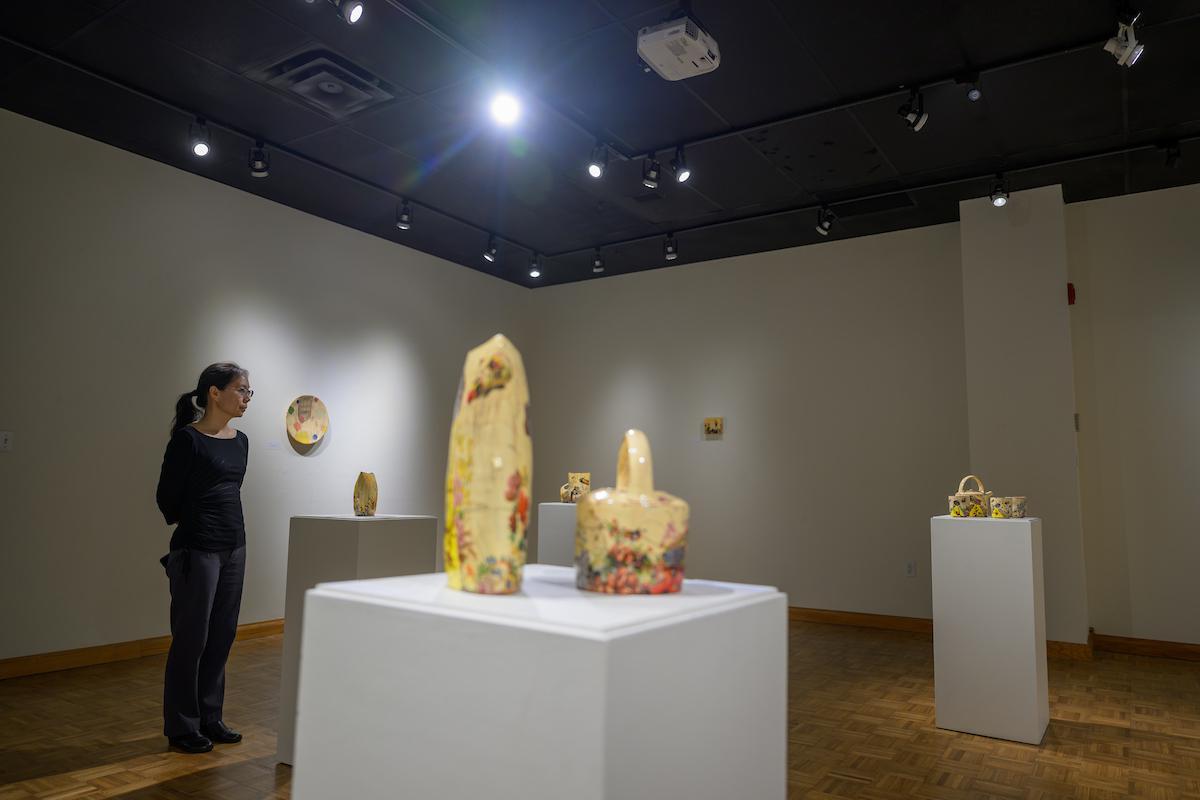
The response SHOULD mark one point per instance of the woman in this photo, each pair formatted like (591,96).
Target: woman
(199,491)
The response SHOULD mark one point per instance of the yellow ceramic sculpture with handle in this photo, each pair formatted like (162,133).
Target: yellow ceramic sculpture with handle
(489,472)
(631,539)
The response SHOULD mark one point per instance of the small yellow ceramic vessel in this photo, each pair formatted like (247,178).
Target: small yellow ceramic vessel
(631,539)
(366,495)
(578,484)
(488,473)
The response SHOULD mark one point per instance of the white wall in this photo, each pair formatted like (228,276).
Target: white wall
(122,279)
(1020,397)
(839,371)
(1135,262)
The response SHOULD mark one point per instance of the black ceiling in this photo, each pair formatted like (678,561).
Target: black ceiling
(802,112)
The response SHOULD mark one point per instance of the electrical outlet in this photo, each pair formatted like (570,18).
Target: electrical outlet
(910,569)
(5,441)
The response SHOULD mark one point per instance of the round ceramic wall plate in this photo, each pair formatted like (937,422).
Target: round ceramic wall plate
(307,419)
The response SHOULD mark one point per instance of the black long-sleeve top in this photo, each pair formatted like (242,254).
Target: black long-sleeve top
(200,490)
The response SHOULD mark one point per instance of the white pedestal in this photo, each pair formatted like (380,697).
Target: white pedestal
(341,548)
(413,690)
(989,628)
(556,534)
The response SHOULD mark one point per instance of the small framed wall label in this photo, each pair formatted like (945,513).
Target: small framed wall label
(714,427)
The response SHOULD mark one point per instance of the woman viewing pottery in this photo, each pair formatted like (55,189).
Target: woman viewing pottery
(199,491)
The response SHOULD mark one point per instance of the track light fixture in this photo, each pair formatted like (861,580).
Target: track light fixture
(597,261)
(970,83)
(1124,46)
(350,11)
(670,249)
(974,93)
(198,138)
(260,161)
(489,255)
(404,215)
(679,166)
(913,111)
(650,173)
(599,161)
(999,195)
(534,266)
(825,220)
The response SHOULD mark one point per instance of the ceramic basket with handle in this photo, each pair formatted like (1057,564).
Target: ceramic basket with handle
(970,503)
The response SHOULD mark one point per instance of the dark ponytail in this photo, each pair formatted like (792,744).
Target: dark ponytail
(190,405)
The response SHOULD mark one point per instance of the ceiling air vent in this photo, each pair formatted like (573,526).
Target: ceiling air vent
(327,82)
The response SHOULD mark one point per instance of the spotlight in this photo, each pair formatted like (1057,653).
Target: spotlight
(404,215)
(260,161)
(597,261)
(670,249)
(913,111)
(534,271)
(825,220)
(505,109)
(679,166)
(598,161)
(349,10)
(1174,156)
(999,195)
(971,81)
(1124,46)
(489,255)
(650,171)
(198,137)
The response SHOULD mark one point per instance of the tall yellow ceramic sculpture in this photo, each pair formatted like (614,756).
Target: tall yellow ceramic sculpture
(631,539)
(489,472)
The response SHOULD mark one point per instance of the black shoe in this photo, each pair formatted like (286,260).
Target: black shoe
(191,743)
(221,734)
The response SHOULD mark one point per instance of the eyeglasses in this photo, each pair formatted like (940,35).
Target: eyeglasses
(244,392)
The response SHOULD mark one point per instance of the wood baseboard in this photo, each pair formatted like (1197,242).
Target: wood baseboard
(1069,650)
(881,621)
(121,651)
(1147,647)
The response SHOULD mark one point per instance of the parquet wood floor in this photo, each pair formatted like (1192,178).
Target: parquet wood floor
(860,715)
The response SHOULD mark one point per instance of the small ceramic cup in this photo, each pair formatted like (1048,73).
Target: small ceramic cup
(1001,507)
(1016,507)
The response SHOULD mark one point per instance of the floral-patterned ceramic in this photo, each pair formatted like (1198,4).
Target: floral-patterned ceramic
(964,503)
(578,484)
(488,473)
(1001,507)
(366,495)
(1017,505)
(307,419)
(631,539)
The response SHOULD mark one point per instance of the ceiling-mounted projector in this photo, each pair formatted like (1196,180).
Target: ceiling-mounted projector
(678,49)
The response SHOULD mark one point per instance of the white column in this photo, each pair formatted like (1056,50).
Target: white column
(1020,389)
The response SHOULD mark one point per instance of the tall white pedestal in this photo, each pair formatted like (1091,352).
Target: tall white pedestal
(341,548)
(556,534)
(410,689)
(989,628)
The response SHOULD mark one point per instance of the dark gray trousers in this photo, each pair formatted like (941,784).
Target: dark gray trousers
(206,595)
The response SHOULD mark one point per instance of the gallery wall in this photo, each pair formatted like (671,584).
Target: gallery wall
(839,370)
(1135,263)
(124,277)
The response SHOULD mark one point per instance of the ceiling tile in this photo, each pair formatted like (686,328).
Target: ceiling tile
(233,33)
(119,49)
(824,153)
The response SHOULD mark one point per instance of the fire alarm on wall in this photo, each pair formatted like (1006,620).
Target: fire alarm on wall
(1070,294)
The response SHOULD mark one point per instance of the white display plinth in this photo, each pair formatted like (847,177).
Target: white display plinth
(340,548)
(410,689)
(989,628)
(556,534)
